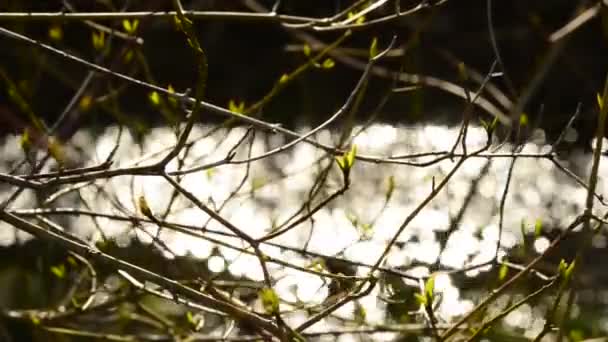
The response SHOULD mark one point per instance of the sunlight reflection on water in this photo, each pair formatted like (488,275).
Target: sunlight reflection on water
(356,226)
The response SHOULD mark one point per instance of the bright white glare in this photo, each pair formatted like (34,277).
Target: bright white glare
(286,288)
(288,180)
(520,317)
(375,137)
(311,289)
(7,235)
(216,264)
(541,244)
(248,266)
(419,272)
(440,137)
(365,251)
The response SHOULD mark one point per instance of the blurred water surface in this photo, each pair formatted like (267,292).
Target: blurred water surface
(258,196)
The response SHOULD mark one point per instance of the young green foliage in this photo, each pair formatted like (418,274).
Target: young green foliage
(538,227)
(390,189)
(56,150)
(306,50)
(59,271)
(462,72)
(346,162)
(99,40)
(489,127)
(426,297)
(144,208)
(503,271)
(154,98)
(359,313)
(172,100)
(196,321)
(523,120)
(26,140)
(85,103)
(565,270)
(328,63)
(236,107)
(373,48)
(270,300)
(56,32)
(130,26)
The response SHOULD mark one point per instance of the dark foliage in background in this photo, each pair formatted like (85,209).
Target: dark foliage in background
(548,68)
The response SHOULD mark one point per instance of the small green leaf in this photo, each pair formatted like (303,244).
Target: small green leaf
(237,108)
(489,127)
(462,71)
(130,26)
(600,101)
(576,335)
(128,56)
(429,287)
(494,124)
(154,98)
(56,32)
(59,271)
(373,48)
(257,183)
(56,150)
(126,24)
(34,319)
(99,40)
(328,63)
(366,227)
(76,302)
(421,299)
(569,270)
(172,99)
(210,173)
(144,208)
(341,162)
(270,300)
(72,261)
(350,156)
(523,119)
(317,265)
(565,270)
(196,321)
(484,124)
(346,161)
(306,50)
(360,313)
(538,227)
(190,318)
(85,103)
(177,23)
(26,140)
(502,272)
(562,266)
(353,219)
(522,229)
(390,188)
(360,20)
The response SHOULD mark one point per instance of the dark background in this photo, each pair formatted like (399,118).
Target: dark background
(247,58)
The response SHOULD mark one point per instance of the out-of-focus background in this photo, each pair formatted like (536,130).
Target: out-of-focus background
(495,215)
